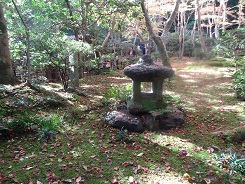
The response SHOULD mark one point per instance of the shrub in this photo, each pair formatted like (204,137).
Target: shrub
(172,42)
(188,48)
(239,83)
(230,162)
(20,124)
(116,94)
(123,135)
(39,80)
(48,126)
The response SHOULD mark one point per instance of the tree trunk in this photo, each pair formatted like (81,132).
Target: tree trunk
(160,41)
(201,39)
(217,20)
(224,14)
(240,14)
(182,32)
(6,71)
(106,40)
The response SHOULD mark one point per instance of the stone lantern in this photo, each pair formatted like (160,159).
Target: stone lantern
(146,71)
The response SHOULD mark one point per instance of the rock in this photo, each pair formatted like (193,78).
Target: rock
(119,119)
(150,123)
(171,117)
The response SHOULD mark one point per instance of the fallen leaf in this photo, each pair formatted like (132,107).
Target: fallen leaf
(186,177)
(140,154)
(67,181)
(131,179)
(85,167)
(114,180)
(79,179)
(1,176)
(207,180)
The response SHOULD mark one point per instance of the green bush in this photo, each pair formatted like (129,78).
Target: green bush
(19,124)
(49,125)
(188,48)
(220,62)
(116,94)
(172,42)
(39,80)
(198,53)
(239,83)
(230,162)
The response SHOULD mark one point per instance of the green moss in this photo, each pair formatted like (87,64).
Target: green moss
(236,135)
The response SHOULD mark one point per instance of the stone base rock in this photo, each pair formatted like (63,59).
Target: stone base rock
(122,119)
(170,117)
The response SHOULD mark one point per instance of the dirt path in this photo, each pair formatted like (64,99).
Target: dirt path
(207,91)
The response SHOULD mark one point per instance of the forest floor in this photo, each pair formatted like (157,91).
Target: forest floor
(84,149)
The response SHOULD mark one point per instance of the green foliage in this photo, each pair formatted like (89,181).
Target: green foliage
(231,162)
(48,126)
(198,53)
(118,93)
(149,105)
(52,122)
(236,135)
(2,128)
(239,83)
(24,123)
(122,135)
(171,99)
(232,44)
(39,80)
(172,42)
(221,62)
(19,124)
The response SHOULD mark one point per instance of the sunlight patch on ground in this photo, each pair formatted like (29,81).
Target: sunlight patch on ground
(89,86)
(118,78)
(51,87)
(184,76)
(98,97)
(191,80)
(166,178)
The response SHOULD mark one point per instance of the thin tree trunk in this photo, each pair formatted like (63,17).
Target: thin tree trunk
(160,41)
(224,15)
(6,71)
(28,44)
(240,14)
(181,32)
(200,33)
(217,21)
(106,40)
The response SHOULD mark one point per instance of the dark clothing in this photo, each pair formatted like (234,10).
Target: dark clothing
(142,48)
(132,53)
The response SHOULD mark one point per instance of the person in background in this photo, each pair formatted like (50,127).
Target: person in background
(142,48)
(132,52)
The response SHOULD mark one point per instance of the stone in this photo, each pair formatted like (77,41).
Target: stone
(122,119)
(146,110)
(170,117)
(150,123)
(146,71)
